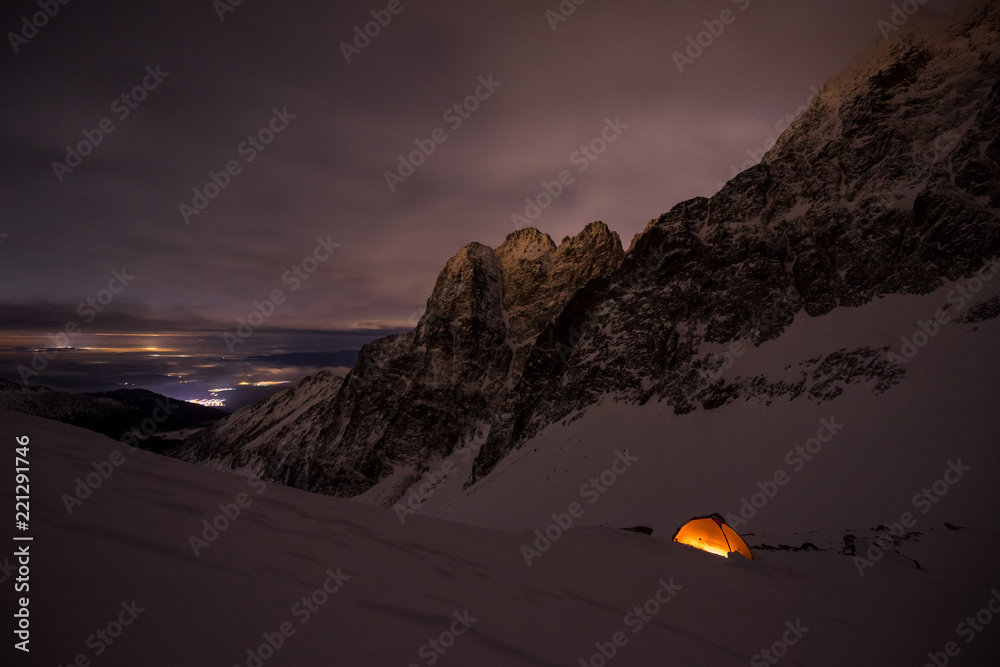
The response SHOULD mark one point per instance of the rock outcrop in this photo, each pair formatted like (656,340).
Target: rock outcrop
(412,396)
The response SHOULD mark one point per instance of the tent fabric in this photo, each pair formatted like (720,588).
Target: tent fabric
(711,533)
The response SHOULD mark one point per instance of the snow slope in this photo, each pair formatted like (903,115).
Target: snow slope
(891,445)
(402,583)
(825,454)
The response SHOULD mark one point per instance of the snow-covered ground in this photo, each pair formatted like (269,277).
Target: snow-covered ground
(424,590)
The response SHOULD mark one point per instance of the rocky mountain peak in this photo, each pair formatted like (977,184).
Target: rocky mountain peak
(889,183)
(526,242)
(594,252)
(595,233)
(539,277)
(467,297)
(526,261)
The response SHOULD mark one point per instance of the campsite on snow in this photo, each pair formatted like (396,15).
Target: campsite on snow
(760,428)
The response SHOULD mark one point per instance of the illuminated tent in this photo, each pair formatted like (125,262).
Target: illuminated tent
(711,533)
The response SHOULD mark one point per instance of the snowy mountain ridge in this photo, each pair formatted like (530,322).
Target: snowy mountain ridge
(412,396)
(889,183)
(136,417)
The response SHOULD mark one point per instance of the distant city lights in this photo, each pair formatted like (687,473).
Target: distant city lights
(209,402)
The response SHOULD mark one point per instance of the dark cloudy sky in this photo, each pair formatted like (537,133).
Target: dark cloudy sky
(323,174)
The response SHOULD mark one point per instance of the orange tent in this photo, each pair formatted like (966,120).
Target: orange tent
(712,534)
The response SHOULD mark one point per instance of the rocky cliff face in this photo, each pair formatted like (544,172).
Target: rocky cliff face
(412,396)
(540,278)
(888,183)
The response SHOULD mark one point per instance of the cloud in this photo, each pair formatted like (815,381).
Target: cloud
(324,174)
